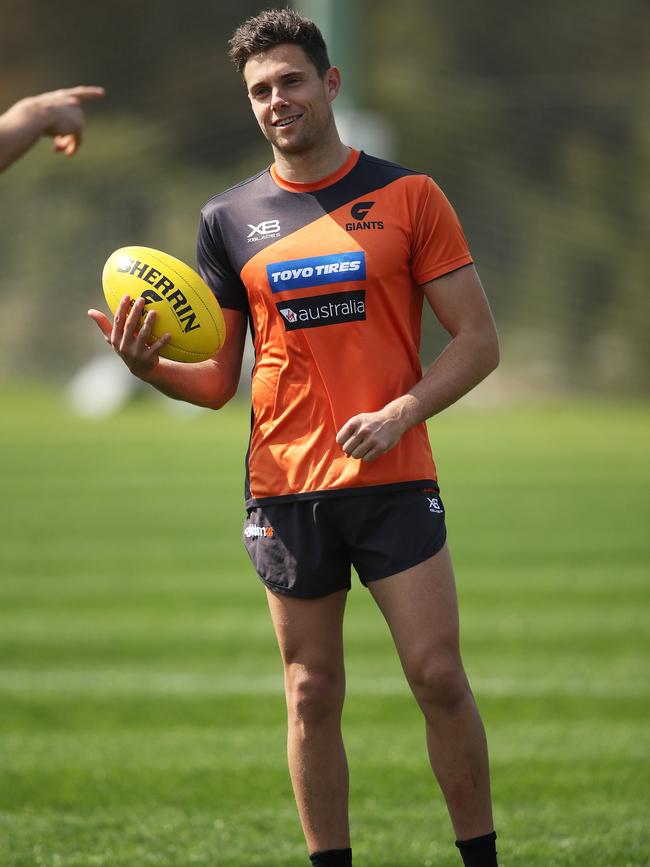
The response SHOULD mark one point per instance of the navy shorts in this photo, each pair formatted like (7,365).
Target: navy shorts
(306,548)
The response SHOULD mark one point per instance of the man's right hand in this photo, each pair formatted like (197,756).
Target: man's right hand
(62,115)
(133,346)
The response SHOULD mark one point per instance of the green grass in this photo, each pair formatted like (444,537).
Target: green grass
(141,708)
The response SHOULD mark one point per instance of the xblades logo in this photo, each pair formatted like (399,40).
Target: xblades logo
(359,212)
(264,230)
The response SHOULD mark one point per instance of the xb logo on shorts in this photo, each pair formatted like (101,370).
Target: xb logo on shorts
(435,505)
(264,230)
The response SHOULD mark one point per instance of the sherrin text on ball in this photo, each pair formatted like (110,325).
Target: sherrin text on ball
(185,306)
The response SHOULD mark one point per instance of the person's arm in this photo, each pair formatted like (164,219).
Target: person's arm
(58,114)
(459,303)
(208,383)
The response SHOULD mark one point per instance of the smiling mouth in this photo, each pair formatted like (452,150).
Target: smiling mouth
(284,122)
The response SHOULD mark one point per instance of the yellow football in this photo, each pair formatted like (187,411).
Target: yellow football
(185,305)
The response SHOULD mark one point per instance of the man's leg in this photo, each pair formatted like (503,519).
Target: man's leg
(310,637)
(421,610)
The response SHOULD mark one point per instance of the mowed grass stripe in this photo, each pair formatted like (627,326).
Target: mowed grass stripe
(141,711)
(101,681)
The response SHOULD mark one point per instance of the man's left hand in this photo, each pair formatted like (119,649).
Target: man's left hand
(370,434)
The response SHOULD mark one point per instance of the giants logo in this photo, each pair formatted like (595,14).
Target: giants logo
(359,212)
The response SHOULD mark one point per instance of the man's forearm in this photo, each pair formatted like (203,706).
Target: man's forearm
(202,383)
(20,127)
(465,361)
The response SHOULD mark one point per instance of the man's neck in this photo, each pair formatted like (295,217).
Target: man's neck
(311,166)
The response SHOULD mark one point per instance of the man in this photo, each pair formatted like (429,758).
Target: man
(329,255)
(58,114)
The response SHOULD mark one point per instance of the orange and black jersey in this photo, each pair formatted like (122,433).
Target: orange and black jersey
(329,275)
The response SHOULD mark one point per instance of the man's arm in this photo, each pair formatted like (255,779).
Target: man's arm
(208,383)
(459,303)
(58,114)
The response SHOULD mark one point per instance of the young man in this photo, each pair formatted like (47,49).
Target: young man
(58,114)
(329,255)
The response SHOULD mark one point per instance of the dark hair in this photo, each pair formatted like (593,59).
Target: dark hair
(278,27)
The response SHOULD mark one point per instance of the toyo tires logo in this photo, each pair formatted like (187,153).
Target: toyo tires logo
(316,271)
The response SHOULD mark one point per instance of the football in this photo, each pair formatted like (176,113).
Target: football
(185,305)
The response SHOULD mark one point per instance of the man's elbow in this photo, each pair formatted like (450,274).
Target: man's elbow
(221,397)
(490,352)
(494,353)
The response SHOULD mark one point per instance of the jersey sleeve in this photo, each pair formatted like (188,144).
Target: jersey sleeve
(439,244)
(214,267)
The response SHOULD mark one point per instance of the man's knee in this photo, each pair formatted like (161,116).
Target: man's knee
(314,694)
(439,681)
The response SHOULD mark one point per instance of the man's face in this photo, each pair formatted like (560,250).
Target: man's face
(291,102)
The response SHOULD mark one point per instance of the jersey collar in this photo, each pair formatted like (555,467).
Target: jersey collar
(296,187)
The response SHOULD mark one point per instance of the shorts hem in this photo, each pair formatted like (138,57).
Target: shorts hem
(409,564)
(287,591)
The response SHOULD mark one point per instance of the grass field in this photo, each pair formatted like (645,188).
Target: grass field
(141,712)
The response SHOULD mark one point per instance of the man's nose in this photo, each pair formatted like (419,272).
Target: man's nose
(277,98)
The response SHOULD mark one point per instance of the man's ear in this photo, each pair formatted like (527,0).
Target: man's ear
(332,82)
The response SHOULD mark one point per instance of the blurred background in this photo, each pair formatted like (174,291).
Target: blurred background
(142,719)
(534,121)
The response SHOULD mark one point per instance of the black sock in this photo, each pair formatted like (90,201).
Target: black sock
(479,851)
(332,858)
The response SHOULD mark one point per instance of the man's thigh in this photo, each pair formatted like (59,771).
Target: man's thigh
(309,631)
(421,608)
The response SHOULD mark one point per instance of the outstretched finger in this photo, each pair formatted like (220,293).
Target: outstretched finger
(143,339)
(102,322)
(86,92)
(155,348)
(120,319)
(147,350)
(133,319)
